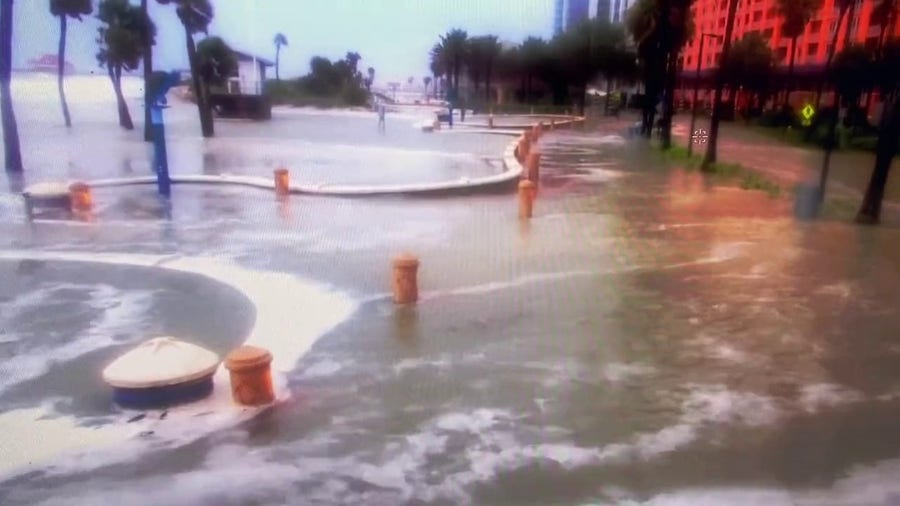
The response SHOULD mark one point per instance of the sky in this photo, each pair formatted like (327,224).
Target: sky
(393,36)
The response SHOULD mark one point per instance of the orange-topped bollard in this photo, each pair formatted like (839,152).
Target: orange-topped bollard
(251,375)
(526,198)
(524,146)
(533,166)
(282,181)
(80,198)
(405,279)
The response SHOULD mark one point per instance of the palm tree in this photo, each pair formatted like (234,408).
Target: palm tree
(843,6)
(11,146)
(120,43)
(795,15)
(713,140)
(885,14)
(280,40)
(195,16)
(370,80)
(454,49)
(887,73)
(533,52)
(438,65)
(491,51)
(148,72)
(66,9)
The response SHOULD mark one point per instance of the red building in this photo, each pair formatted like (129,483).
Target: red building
(762,16)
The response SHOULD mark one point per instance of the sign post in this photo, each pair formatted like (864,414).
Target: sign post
(161,85)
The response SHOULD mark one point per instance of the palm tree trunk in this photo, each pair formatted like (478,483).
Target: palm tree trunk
(608,90)
(790,76)
(61,69)
(831,50)
(713,141)
(115,76)
(885,151)
(487,85)
(278,62)
(148,72)
(11,146)
(206,122)
(669,97)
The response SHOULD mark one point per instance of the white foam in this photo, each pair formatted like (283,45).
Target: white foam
(474,422)
(290,315)
(322,368)
(121,312)
(618,372)
(814,397)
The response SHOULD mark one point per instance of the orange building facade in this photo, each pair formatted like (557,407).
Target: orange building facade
(762,16)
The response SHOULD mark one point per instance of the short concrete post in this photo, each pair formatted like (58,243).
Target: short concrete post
(405,279)
(526,199)
(282,181)
(251,375)
(533,166)
(80,198)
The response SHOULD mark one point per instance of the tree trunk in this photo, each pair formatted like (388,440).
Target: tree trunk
(278,62)
(61,69)
(115,75)
(582,94)
(831,50)
(148,72)
(608,90)
(885,151)
(206,122)
(713,141)
(11,146)
(790,74)
(487,85)
(669,100)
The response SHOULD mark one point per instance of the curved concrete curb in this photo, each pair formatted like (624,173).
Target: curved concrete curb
(512,172)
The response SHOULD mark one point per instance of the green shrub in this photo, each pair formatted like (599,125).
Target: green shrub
(866,143)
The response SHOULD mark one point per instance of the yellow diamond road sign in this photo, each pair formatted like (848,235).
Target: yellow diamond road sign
(808,111)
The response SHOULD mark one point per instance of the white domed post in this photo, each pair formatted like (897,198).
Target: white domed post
(161,372)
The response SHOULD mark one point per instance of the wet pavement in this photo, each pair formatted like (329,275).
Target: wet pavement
(648,338)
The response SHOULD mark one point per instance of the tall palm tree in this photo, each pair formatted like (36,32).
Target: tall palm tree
(712,144)
(11,146)
(491,50)
(795,15)
(148,71)
(195,16)
(280,40)
(885,14)
(438,65)
(65,9)
(843,6)
(454,48)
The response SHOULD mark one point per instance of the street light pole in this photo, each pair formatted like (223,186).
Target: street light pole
(703,37)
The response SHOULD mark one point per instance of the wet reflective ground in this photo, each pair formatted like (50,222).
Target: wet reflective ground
(648,338)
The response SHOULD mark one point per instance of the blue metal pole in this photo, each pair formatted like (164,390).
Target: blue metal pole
(160,156)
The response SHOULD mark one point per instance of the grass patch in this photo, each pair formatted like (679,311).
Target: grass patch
(722,172)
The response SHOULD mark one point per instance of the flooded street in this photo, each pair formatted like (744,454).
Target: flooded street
(647,338)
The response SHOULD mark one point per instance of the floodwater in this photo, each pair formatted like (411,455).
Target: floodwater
(647,338)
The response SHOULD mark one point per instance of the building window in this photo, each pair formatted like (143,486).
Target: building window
(721,22)
(768,33)
(815,26)
(757,16)
(812,49)
(780,53)
(746,18)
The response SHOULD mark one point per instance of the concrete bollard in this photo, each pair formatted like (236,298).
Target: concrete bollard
(524,148)
(552,124)
(282,181)
(491,121)
(533,166)
(251,375)
(405,279)
(80,199)
(526,199)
